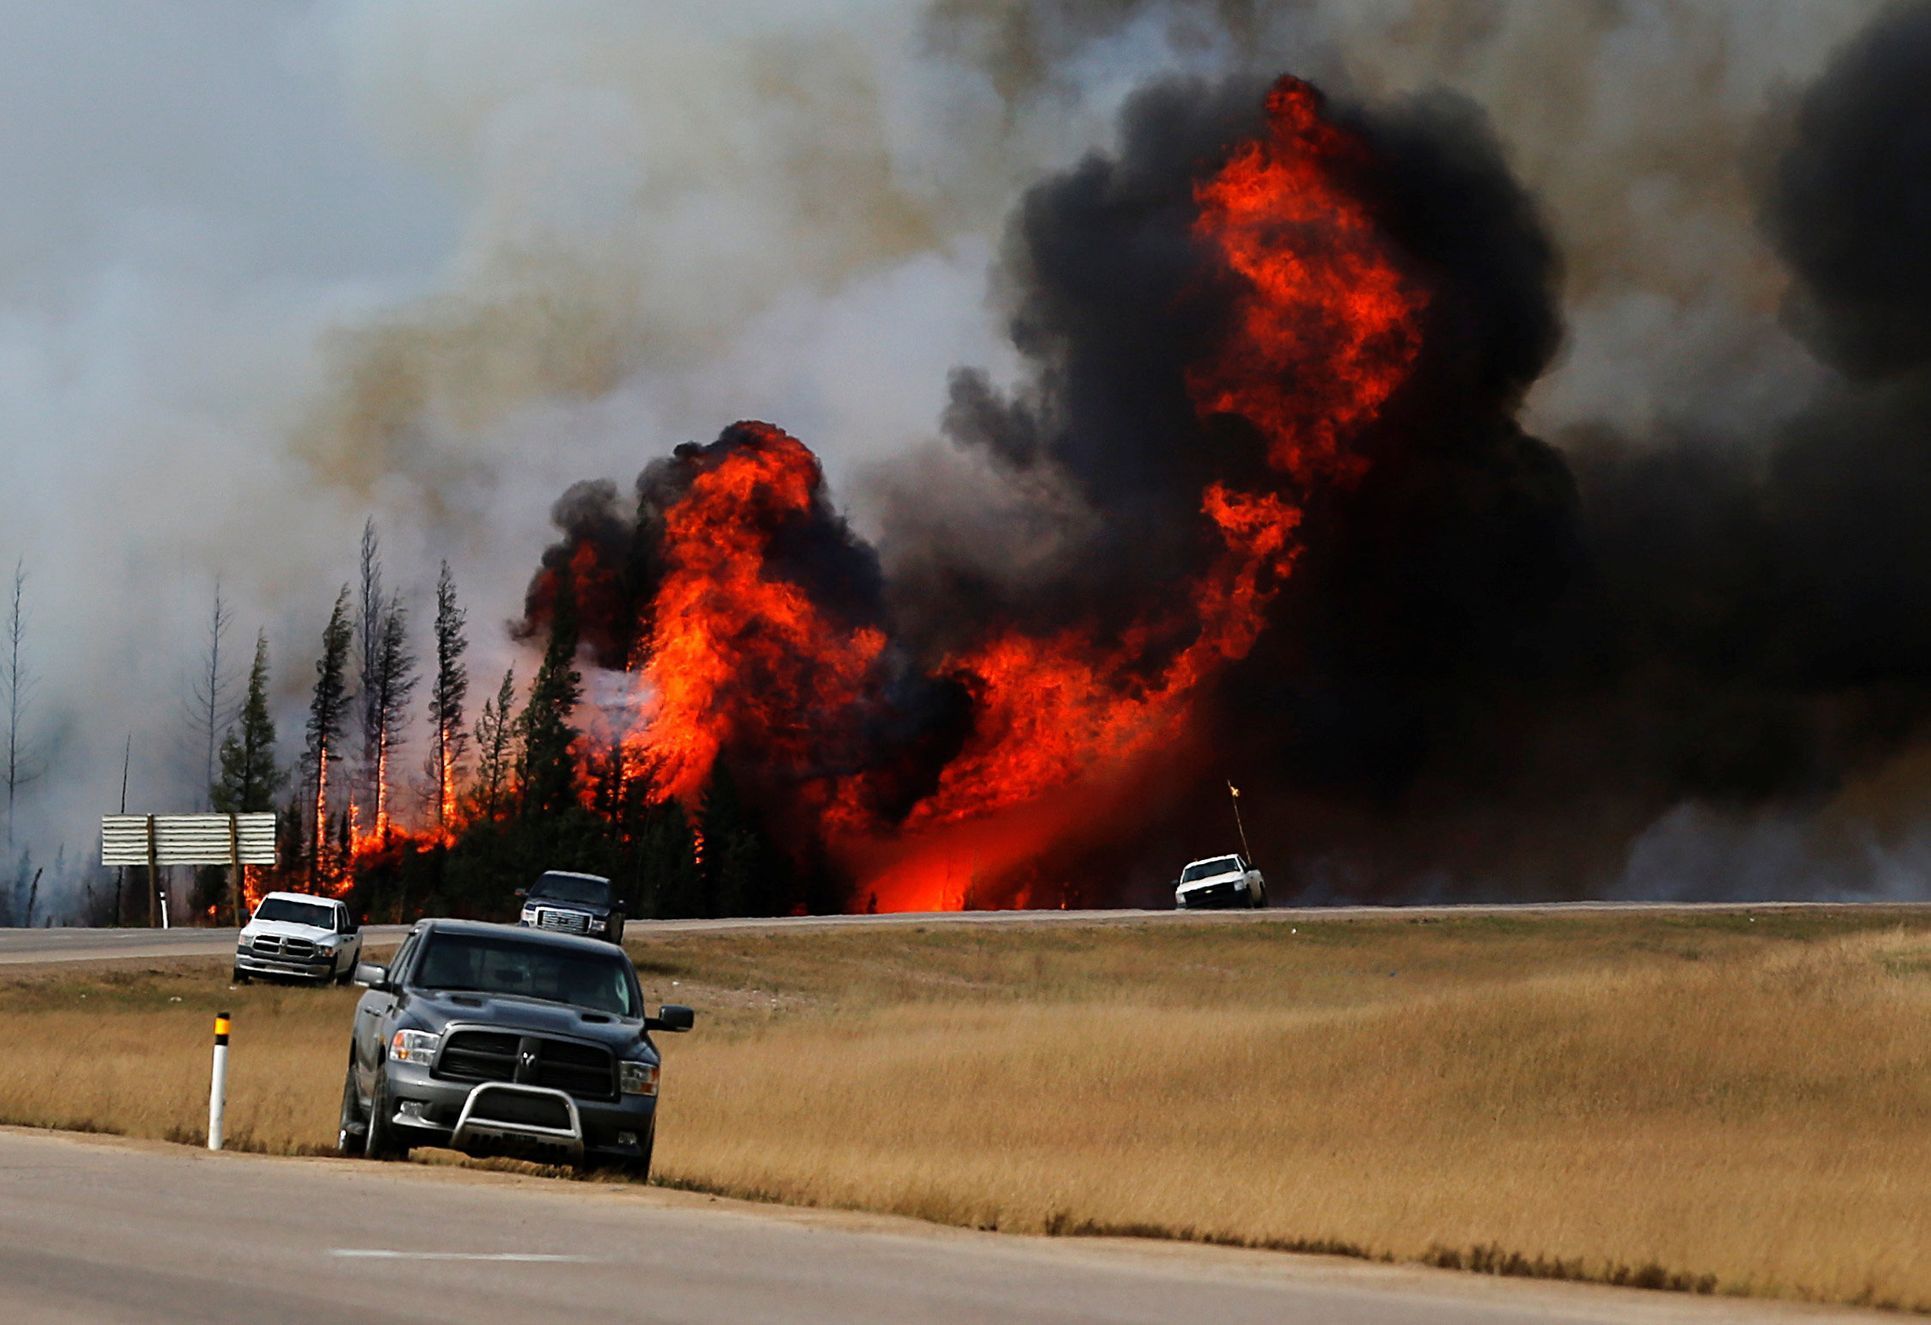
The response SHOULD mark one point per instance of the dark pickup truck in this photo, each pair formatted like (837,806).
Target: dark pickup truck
(571,903)
(498,1040)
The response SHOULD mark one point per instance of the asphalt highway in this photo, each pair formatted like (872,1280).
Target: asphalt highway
(105,1231)
(30,947)
(39,946)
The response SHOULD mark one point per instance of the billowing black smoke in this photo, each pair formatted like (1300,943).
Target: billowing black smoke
(1430,591)
(614,554)
(612,548)
(1851,202)
(1496,664)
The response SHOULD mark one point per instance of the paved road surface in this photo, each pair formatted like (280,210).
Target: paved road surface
(103,1231)
(38,946)
(22,947)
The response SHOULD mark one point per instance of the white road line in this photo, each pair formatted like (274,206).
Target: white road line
(383,1254)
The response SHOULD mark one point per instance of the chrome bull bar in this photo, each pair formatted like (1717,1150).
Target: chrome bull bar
(490,1113)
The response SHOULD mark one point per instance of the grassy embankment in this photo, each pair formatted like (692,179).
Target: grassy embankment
(1713,1102)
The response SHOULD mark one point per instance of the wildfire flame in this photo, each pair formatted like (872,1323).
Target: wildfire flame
(737,656)
(1326,328)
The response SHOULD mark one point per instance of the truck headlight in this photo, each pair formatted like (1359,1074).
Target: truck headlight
(638,1078)
(414,1046)
(529,914)
(598,926)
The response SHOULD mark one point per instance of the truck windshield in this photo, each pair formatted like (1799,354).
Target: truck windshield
(563,888)
(1206,869)
(297,913)
(490,965)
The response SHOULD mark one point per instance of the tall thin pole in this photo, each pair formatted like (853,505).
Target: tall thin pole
(218,1081)
(1233,794)
(120,875)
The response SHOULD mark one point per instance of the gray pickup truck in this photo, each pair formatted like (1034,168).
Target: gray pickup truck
(572,903)
(499,1040)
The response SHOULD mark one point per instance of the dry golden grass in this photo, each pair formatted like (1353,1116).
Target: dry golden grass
(1707,1101)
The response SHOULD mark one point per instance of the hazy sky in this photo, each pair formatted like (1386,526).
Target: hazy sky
(269,269)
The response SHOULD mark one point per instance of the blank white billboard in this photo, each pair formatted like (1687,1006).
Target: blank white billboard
(188,839)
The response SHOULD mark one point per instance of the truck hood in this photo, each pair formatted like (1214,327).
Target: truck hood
(1229,876)
(507,1012)
(288,929)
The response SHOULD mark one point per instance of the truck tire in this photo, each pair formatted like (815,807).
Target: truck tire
(638,1169)
(240,977)
(635,1170)
(381,1138)
(349,1138)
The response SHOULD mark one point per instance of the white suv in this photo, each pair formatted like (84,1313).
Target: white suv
(314,938)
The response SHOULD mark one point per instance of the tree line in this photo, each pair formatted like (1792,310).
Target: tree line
(499,796)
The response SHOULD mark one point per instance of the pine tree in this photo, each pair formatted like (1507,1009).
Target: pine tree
(549,765)
(292,836)
(668,882)
(250,779)
(496,750)
(391,684)
(447,692)
(744,869)
(328,713)
(368,640)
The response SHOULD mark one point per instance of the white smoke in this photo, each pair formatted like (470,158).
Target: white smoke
(272,269)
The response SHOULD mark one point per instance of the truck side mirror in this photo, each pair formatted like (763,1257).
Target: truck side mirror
(671,1017)
(522,892)
(371,976)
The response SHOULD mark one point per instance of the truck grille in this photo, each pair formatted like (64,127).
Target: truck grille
(586,1071)
(275,945)
(570,922)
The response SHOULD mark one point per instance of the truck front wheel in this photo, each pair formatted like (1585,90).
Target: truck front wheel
(380,1138)
(349,1140)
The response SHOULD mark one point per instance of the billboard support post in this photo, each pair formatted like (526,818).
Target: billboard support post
(234,870)
(154,879)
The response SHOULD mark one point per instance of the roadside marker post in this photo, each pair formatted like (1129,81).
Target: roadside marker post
(218,1087)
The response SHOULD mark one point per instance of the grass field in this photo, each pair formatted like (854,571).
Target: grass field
(1716,1101)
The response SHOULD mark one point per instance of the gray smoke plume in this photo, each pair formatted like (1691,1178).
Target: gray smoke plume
(275,269)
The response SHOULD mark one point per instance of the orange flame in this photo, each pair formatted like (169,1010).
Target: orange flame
(1326,328)
(734,653)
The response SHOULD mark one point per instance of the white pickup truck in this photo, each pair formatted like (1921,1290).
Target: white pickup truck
(1219,881)
(294,934)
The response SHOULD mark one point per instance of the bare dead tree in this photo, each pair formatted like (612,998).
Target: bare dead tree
(18,684)
(210,704)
